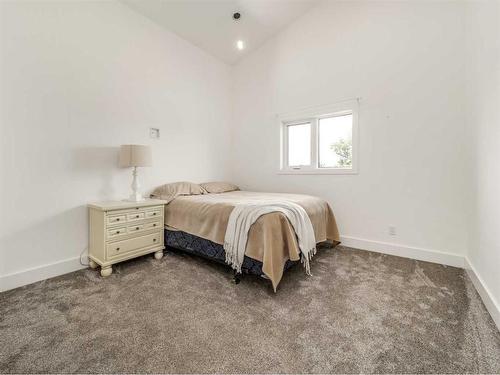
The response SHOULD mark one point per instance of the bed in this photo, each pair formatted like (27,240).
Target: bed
(196,222)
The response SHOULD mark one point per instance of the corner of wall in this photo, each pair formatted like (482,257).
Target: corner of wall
(492,305)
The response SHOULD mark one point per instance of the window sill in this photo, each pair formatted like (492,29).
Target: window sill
(318,171)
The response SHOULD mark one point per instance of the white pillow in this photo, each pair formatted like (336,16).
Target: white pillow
(218,187)
(169,191)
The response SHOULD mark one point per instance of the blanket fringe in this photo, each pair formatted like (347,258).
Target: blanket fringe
(231,258)
(306,260)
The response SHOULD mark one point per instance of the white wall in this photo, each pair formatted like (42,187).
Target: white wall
(483,104)
(405,60)
(79,78)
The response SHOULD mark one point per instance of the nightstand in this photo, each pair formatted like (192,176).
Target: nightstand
(121,230)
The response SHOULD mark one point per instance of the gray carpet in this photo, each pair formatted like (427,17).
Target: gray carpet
(360,312)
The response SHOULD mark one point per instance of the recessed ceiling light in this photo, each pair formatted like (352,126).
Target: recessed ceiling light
(240,45)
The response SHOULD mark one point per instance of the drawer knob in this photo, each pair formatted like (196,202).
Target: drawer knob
(154,225)
(154,239)
(117,249)
(154,213)
(136,228)
(137,216)
(137,208)
(117,232)
(117,219)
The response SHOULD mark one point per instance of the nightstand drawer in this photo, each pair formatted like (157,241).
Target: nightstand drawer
(120,247)
(153,225)
(143,226)
(120,231)
(157,212)
(116,219)
(135,228)
(136,216)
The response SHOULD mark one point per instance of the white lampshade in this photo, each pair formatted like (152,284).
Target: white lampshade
(135,156)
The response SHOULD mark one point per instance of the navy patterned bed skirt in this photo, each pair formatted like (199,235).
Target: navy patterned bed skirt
(211,250)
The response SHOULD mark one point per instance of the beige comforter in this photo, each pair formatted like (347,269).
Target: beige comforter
(271,239)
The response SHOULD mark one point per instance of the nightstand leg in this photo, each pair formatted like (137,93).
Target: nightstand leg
(92,264)
(159,254)
(106,271)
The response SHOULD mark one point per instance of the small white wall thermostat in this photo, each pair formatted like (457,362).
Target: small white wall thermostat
(154,133)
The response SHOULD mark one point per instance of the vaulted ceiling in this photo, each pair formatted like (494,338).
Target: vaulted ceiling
(209,24)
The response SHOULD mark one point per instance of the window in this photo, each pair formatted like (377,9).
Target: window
(335,142)
(320,141)
(299,144)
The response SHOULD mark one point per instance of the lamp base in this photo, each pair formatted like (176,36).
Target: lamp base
(136,197)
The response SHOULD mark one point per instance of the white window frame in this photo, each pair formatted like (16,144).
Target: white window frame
(313,115)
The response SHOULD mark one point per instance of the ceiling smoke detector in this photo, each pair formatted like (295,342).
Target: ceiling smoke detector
(236,16)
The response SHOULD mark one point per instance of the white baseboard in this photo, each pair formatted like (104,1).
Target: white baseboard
(489,301)
(32,275)
(427,255)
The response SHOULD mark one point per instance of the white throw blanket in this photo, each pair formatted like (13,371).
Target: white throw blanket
(244,215)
